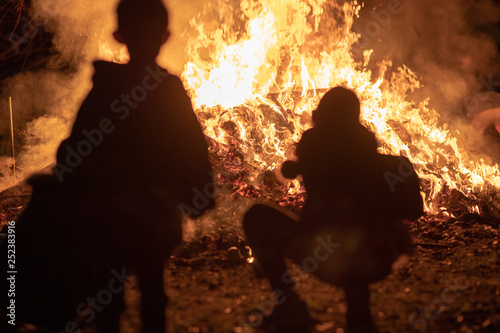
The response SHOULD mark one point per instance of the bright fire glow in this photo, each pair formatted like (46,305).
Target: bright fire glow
(255,78)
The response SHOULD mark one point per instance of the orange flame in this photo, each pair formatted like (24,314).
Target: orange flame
(255,78)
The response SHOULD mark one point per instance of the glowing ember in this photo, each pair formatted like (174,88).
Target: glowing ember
(255,78)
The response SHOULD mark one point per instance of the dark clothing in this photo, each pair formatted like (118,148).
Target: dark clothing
(332,254)
(135,153)
(334,163)
(338,237)
(335,159)
(154,155)
(341,171)
(155,139)
(140,173)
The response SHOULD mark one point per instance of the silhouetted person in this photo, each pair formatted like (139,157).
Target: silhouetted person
(345,235)
(135,160)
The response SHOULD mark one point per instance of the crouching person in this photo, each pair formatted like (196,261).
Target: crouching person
(350,230)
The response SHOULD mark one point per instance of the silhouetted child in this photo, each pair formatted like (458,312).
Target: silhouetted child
(136,160)
(345,235)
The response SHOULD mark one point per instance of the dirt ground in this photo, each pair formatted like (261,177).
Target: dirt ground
(451,284)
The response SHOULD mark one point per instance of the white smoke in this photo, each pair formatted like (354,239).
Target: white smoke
(439,40)
(53,95)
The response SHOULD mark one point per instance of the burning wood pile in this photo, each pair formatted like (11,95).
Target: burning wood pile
(256,70)
(255,101)
(244,177)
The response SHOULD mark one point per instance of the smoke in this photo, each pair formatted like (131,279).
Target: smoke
(446,43)
(441,41)
(173,56)
(50,98)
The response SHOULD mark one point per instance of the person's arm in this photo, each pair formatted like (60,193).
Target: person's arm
(291,169)
(193,171)
(371,140)
(93,101)
(84,119)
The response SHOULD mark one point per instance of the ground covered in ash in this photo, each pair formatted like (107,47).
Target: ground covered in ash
(451,284)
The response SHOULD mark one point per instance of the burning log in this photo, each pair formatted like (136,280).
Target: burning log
(260,76)
(244,157)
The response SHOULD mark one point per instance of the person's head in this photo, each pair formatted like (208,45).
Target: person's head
(339,106)
(143,27)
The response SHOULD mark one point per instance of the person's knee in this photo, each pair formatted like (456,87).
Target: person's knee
(255,219)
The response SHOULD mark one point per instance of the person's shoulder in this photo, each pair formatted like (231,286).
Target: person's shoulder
(101,65)
(175,81)
(163,76)
(174,87)
(367,133)
(315,134)
(309,137)
(310,133)
(367,139)
(365,129)
(103,70)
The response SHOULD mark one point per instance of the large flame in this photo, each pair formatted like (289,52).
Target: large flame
(256,75)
